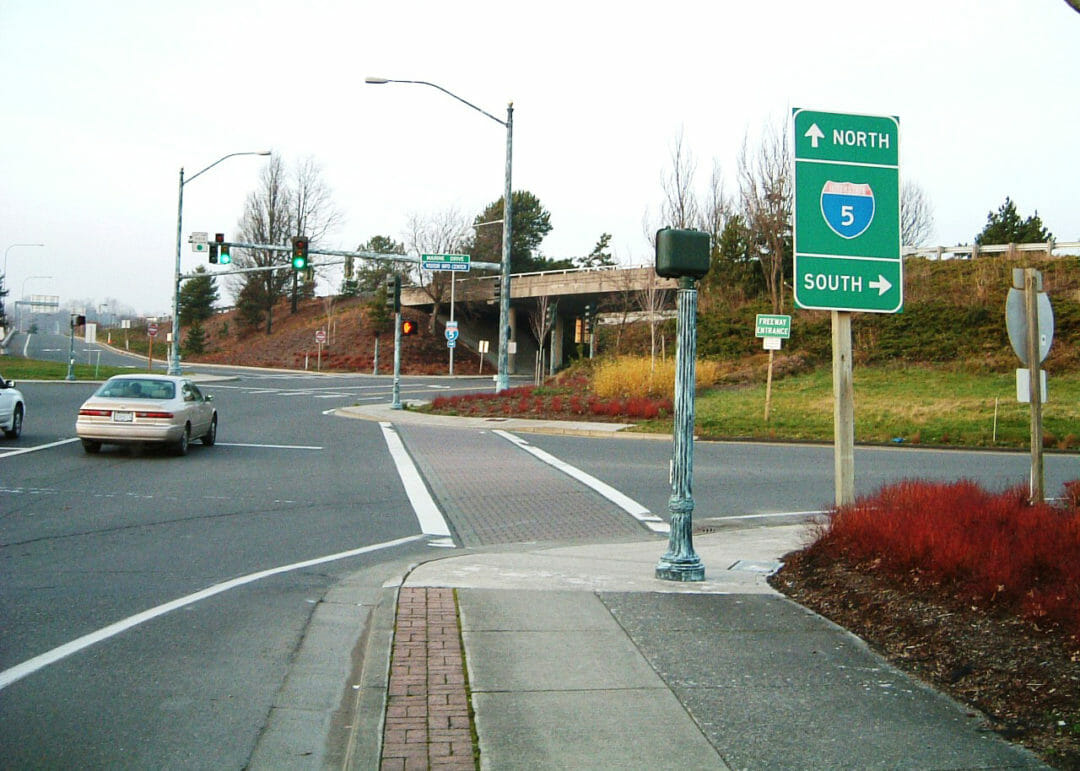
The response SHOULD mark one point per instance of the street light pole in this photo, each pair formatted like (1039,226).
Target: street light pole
(4,279)
(502,380)
(6,254)
(174,354)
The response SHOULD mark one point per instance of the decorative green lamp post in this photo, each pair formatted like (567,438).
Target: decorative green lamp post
(683,254)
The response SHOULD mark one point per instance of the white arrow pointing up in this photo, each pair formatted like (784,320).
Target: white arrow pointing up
(815,134)
(882,285)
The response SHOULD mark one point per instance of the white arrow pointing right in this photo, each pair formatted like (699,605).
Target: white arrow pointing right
(882,284)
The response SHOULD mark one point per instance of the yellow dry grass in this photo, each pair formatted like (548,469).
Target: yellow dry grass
(627,376)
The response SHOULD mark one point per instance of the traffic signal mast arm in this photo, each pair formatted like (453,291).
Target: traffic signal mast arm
(327,252)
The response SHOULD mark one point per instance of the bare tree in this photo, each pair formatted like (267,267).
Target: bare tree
(266,220)
(652,300)
(441,233)
(680,206)
(716,209)
(916,215)
(311,209)
(538,323)
(765,199)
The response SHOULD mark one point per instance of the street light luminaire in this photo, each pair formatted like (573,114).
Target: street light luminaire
(502,380)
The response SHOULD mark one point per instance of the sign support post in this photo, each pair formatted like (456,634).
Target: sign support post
(1032,282)
(843,409)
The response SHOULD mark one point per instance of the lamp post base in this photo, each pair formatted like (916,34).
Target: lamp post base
(680,570)
(680,562)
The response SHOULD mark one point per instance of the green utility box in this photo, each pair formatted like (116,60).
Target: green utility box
(682,253)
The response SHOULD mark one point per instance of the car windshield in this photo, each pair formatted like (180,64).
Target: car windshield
(131,388)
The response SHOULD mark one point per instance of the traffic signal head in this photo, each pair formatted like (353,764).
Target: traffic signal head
(408,328)
(300,253)
(393,292)
(219,247)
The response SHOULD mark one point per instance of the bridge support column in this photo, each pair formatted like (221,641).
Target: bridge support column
(557,345)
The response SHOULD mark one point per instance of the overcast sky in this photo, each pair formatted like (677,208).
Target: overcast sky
(104,102)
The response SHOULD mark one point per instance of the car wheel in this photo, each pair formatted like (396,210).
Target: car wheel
(211,436)
(181,447)
(91,446)
(16,424)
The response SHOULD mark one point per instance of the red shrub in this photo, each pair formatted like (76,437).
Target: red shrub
(986,548)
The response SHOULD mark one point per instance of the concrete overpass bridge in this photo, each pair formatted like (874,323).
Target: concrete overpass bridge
(570,291)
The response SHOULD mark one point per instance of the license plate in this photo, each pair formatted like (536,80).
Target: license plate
(122,417)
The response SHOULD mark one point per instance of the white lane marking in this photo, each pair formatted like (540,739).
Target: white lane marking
(270,446)
(426,510)
(776,514)
(19,671)
(624,502)
(37,447)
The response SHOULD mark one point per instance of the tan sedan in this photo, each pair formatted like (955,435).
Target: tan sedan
(139,409)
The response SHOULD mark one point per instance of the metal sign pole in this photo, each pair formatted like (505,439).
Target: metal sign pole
(395,404)
(1032,280)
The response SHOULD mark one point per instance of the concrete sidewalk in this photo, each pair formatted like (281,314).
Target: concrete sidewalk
(578,658)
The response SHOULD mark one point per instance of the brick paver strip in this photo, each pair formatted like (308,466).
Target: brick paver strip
(427,710)
(492,493)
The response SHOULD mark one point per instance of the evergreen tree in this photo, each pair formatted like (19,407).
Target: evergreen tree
(197,297)
(195,340)
(1005,227)
(368,275)
(599,257)
(530,222)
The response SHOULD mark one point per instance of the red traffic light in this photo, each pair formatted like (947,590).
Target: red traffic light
(408,328)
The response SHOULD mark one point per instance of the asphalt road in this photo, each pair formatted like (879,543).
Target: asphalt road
(766,481)
(88,541)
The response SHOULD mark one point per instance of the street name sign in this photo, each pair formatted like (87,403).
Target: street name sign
(445,261)
(847,212)
(772,326)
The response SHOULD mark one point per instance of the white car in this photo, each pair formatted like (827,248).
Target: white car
(139,409)
(12,409)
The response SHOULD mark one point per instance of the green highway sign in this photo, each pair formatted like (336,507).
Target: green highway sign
(444,261)
(772,326)
(847,212)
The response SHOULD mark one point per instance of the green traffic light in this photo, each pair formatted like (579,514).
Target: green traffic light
(299,262)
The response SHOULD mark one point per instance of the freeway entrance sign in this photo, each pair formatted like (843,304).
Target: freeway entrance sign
(847,212)
(767,325)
